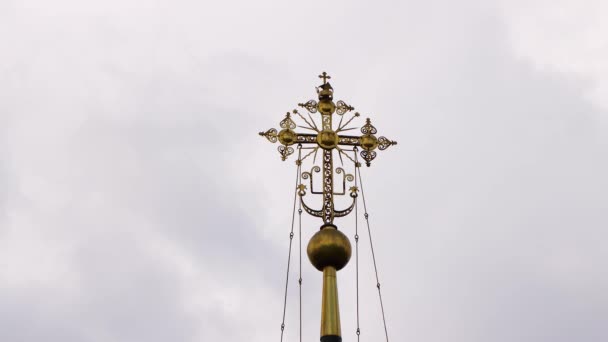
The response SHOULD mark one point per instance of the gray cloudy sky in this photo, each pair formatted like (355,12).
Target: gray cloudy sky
(137,202)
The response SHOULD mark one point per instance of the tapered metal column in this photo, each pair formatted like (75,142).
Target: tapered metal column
(329,251)
(330,309)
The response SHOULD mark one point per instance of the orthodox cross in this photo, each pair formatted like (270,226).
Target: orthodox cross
(325,77)
(329,250)
(328,139)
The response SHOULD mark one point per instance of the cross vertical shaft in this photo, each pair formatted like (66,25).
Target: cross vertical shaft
(328,174)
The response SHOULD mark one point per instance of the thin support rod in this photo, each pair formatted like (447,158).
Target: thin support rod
(300,259)
(366,215)
(358,331)
(293,218)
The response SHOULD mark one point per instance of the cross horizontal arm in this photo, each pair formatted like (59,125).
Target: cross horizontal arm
(349,140)
(306,138)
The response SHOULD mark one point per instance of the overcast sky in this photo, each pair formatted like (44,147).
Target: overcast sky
(138,203)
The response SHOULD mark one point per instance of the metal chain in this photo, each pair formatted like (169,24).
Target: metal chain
(366,215)
(293,216)
(357,165)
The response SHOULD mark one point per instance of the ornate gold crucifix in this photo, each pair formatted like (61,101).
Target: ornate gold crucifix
(329,250)
(328,140)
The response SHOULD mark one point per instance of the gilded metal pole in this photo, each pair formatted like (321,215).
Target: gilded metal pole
(329,251)
(330,309)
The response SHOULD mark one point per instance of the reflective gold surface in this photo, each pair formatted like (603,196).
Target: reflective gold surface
(330,309)
(329,247)
(327,136)
(368,142)
(326,107)
(327,139)
(287,137)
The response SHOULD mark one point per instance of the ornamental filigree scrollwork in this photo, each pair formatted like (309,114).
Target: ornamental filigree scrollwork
(345,177)
(310,211)
(353,194)
(326,137)
(349,140)
(384,143)
(342,107)
(368,128)
(285,151)
(306,138)
(311,106)
(368,156)
(328,187)
(271,135)
(326,122)
(287,123)
(308,175)
(342,213)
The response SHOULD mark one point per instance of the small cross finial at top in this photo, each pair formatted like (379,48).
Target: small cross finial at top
(325,77)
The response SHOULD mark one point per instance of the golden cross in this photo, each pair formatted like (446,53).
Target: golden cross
(329,140)
(325,77)
(328,250)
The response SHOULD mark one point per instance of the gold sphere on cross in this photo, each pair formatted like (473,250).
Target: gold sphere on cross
(369,142)
(287,137)
(329,247)
(326,107)
(327,139)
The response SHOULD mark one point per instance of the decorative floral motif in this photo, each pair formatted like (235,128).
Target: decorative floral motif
(384,143)
(271,135)
(368,156)
(287,123)
(285,151)
(342,107)
(368,128)
(301,189)
(310,106)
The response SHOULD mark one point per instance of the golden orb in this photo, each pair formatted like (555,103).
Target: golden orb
(329,247)
(369,142)
(287,136)
(327,139)
(326,107)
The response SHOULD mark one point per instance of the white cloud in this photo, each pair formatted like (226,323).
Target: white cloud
(565,36)
(140,204)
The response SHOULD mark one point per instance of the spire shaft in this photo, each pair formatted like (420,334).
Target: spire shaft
(330,309)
